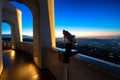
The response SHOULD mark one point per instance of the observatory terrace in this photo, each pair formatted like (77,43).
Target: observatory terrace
(41,60)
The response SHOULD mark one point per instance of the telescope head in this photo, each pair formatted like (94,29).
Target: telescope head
(69,37)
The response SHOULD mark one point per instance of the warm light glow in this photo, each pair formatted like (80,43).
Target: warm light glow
(13,47)
(36,60)
(30,68)
(12,54)
(35,76)
(4,44)
(100,35)
(19,17)
(89,34)
(24,70)
(1,63)
(51,19)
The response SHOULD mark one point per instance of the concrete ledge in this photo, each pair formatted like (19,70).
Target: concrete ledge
(1,64)
(111,68)
(54,65)
(88,68)
(81,67)
(26,47)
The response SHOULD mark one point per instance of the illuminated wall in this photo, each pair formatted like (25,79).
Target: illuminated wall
(1,62)
(43,27)
(12,16)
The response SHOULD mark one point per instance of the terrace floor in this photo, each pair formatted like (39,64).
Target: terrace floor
(19,65)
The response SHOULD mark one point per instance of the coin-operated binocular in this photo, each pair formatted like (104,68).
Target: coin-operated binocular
(69,41)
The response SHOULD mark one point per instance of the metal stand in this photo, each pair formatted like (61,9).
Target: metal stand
(65,72)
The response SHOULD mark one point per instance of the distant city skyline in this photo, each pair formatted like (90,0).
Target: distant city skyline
(83,18)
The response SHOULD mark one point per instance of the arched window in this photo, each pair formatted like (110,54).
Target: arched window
(27,22)
(6,32)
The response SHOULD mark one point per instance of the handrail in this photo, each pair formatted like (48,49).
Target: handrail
(111,68)
(103,66)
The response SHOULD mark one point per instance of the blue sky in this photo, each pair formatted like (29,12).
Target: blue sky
(27,20)
(82,18)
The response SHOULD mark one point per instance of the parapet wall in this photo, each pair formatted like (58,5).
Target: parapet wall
(78,69)
(26,47)
(8,14)
(54,65)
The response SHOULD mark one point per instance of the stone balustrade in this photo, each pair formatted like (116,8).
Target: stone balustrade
(81,67)
(26,47)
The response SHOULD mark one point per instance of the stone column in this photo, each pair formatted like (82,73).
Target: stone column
(12,37)
(52,22)
(1,62)
(43,28)
(16,32)
(36,41)
(13,16)
(47,32)
(44,32)
(19,26)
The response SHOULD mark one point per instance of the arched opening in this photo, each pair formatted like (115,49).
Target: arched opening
(29,26)
(6,35)
(27,22)
(35,9)
(6,32)
(43,27)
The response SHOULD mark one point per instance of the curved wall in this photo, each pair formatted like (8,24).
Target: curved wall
(1,62)
(43,27)
(12,16)
(26,47)
(79,69)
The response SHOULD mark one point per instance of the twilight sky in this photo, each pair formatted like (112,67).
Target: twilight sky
(83,18)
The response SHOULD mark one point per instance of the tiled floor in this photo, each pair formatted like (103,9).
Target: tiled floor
(19,66)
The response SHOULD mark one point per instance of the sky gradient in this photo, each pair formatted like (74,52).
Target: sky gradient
(83,18)
(88,17)
(27,20)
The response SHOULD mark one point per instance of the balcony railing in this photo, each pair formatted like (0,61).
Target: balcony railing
(26,47)
(81,67)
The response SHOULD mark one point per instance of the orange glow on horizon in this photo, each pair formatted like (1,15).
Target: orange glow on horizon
(91,35)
